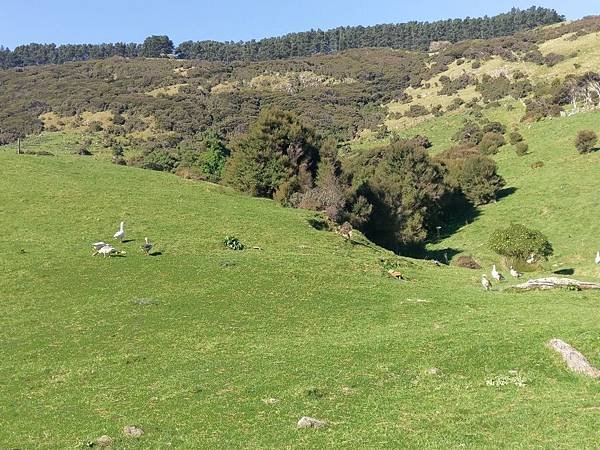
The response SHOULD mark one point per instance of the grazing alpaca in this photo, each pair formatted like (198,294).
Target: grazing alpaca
(531,258)
(487,285)
(147,246)
(120,235)
(496,275)
(514,273)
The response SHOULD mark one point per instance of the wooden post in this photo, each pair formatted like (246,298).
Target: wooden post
(18,146)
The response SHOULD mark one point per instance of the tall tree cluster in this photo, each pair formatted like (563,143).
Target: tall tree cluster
(410,36)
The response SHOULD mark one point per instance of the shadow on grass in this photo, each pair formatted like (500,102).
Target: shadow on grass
(503,193)
(125,241)
(155,254)
(443,255)
(564,272)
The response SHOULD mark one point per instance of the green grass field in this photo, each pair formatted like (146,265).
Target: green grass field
(559,199)
(189,343)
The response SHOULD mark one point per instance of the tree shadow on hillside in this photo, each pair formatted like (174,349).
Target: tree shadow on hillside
(503,193)
(460,213)
(442,255)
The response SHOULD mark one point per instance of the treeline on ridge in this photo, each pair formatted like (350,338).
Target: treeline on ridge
(409,36)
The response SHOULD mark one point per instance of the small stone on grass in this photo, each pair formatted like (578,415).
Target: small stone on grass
(132,431)
(104,441)
(309,422)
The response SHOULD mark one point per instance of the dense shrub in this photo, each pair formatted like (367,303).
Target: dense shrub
(521,148)
(495,127)
(551,59)
(205,154)
(405,191)
(538,108)
(469,135)
(518,242)
(471,173)
(585,141)
(491,142)
(416,111)
(494,88)
(278,153)
(515,137)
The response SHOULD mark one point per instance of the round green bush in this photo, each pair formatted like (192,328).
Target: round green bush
(518,242)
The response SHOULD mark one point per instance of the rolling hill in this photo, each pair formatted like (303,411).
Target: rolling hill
(191,343)
(202,346)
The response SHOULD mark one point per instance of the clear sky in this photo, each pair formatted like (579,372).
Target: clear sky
(84,21)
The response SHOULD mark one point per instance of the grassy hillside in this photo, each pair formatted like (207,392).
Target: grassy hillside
(558,198)
(189,343)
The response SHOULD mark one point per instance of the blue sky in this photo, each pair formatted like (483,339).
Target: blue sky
(77,21)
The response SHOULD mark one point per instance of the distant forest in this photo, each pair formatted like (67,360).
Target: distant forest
(409,36)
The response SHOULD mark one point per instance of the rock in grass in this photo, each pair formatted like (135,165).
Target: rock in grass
(309,422)
(576,362)
(132,431)
(104,441)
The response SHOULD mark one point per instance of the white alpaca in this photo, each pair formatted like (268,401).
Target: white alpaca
(531,258)
(597,260)
(487,285)
(496,275)
(120,235)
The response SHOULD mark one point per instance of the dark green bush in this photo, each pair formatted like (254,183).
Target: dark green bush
(277,149)
(585,141)
(518,242)
(473,174)
(494,127)
(469,135)
(416,111)
(521,148)
(491,142)
(515,137)
(233,243)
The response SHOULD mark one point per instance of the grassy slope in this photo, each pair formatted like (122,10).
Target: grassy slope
(581,55)
(80,357)
(559,199)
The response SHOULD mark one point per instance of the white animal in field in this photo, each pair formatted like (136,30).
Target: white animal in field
(496,275)
(147,246)
(597,260)
(109,250)
(487,284)
(120,235)
(531,258)
(97,246)
(514,273)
